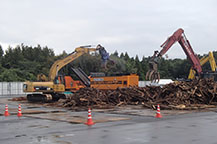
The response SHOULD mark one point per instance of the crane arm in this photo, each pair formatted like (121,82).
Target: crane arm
(179,36)
(170,41)
(71,57)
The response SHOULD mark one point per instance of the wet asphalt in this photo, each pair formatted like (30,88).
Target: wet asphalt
(195,128)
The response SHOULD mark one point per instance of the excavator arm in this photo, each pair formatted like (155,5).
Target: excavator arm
(212,62)
(179,37)
(74,55)
(204,60)
(58,87)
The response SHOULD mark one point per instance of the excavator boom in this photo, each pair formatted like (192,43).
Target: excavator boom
(212,62)
(63,62)
(57,86)
(59,64)
(180,37)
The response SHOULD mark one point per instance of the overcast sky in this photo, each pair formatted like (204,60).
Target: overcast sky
(135,26)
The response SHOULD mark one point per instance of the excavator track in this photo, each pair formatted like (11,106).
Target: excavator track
(44,97)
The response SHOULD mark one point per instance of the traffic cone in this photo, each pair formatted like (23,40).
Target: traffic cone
(19,114)
(158,115)
(89,119)
(6,111)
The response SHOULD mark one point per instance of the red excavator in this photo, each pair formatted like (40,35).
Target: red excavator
(178,36)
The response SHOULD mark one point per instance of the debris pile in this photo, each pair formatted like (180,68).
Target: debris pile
(179,95)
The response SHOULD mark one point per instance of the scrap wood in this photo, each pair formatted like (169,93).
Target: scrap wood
(170,96)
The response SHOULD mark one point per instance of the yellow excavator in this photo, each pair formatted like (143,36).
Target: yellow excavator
(204,60)
(55,86)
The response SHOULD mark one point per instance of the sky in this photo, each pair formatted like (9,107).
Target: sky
(137,27)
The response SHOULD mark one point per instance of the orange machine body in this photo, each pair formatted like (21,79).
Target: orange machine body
(72,85)
(114,82)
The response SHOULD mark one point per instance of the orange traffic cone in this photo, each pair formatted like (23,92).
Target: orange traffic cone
(89,119)
(19,114)
(6,110)
(158,115)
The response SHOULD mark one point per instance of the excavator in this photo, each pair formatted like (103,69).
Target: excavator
(204,60)
(178,36)
(56,86)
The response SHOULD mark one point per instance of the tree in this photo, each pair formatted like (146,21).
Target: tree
(115,53)
(1,54)
(126,56)
(122,55)
(139,68)
(26,62)
(144,64)
(1,51)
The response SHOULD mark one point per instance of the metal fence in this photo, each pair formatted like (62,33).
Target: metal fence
(11,89)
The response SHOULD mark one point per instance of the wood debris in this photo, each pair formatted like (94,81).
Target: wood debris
(178,95)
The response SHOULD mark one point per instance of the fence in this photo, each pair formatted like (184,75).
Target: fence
(11,89)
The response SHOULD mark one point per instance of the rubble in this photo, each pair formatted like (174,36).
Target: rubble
(178,95)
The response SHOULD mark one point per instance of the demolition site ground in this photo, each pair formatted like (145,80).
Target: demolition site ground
(42,124)
(121,116)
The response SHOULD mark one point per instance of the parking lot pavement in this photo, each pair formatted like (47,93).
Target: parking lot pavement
(42,125)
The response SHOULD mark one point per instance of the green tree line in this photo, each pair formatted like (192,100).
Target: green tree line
(23,63)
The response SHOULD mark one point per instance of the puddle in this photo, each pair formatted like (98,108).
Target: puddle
(38,126)
(51,140)
(32,107)
(63,142)
(168,126)
(64,135)
(20,135)
(42,140)
(193,125)
(78,116)
(34,125)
